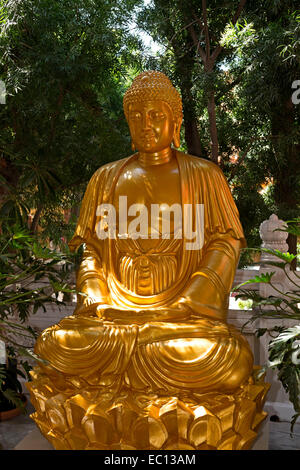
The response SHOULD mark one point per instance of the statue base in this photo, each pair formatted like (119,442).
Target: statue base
(95,419)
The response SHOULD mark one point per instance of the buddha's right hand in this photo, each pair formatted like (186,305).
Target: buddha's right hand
(88,308)
(91,294)
(113,313)
(140,316)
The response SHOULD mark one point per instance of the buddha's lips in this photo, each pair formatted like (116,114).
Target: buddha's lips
(148,136)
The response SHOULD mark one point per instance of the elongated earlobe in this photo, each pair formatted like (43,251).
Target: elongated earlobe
(176,141)
(176,136)
(132,146)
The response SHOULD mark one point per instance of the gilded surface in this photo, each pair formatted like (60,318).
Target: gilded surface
(148,347)
(74,415)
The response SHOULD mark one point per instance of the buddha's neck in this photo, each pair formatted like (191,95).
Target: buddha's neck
(156,158)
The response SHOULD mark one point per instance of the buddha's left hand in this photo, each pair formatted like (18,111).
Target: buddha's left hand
(111,312)
(88,309)
(142,315)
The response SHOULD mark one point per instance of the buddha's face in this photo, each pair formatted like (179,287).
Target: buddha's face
(152,125)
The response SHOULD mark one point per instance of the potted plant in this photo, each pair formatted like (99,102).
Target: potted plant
(284,346)
(12,400)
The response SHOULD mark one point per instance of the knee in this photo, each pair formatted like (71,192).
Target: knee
(240,372)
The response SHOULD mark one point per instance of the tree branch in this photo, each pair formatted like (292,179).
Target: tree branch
(238,11)
(196,42)
(229,87)
(206,32)
(35,221)
(215,54)
(183,28)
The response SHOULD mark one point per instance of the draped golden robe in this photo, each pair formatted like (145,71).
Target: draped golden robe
(186,343)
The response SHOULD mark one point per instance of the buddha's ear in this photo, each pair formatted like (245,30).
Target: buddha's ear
(176,135)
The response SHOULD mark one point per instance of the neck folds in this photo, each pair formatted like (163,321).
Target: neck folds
(156,158)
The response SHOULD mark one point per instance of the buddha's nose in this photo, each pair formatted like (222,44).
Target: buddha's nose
(146,121)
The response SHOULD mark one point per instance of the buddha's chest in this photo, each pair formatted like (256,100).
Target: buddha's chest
(147,261)
(142,198)
(157,184)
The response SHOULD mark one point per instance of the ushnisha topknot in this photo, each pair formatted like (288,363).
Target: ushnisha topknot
(153,85)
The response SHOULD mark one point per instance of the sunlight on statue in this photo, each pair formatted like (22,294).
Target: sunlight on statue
(151,315)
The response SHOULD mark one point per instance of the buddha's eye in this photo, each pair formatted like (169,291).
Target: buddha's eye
(136,116)
(157,116)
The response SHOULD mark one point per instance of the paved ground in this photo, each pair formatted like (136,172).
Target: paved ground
(14,430)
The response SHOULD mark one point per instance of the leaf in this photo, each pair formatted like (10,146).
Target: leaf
(13,397)
(287,257)
(263,278)
(286,335)
(21,373)
(260,332)
(292,226)
(27,367)
(29,353)
(261,372)
(277,264)
(277,361)
(289,376)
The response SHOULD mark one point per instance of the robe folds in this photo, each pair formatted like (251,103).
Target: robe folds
(199,352)
(202,182)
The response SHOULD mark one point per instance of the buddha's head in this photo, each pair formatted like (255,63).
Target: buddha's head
(153,110)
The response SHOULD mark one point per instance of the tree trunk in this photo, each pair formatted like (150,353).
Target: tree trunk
(211,107)
(292,243)
(184,63)
(36,218)
(192,137)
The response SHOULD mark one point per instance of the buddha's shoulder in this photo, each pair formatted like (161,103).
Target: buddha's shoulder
(202,164)
(110,168)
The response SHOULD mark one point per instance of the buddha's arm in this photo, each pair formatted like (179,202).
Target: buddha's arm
(90,282)
(208,289)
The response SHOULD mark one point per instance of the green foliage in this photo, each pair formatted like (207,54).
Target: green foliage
(252,82)
(284,356)
(245,304)
(10,387)
(23,262)
(266,91)
(64,65)
(284,349)
(263,278)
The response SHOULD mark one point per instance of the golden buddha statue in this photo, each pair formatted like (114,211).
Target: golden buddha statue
(148,343)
